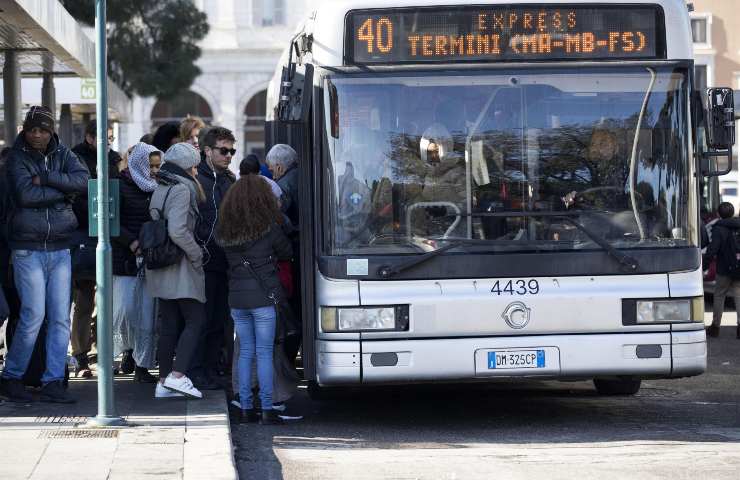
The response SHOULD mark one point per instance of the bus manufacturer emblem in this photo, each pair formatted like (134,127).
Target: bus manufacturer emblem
(516,315)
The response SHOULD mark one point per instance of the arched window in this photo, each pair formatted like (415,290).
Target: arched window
(254,124)
(174,110)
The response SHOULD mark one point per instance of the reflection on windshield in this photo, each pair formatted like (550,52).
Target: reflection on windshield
(415,160)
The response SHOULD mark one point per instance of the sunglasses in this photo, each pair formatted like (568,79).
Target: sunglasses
(226,151)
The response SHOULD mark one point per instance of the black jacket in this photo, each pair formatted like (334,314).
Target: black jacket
(89,156)
(290,183)
(41,216)
(134,213)
(720,247)
(244,289)
(4,208)
(215,188)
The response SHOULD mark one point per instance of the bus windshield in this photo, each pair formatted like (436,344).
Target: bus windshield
(512,162)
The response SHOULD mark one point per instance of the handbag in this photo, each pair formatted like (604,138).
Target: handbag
(158,249)
(285,324)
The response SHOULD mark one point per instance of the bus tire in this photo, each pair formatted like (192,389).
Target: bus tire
(618,386)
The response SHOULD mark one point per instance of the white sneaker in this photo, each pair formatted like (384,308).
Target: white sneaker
(182,385)
(161,392)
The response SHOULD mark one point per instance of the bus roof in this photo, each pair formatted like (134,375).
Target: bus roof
(327,22)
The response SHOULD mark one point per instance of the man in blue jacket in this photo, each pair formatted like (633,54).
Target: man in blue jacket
(43,178)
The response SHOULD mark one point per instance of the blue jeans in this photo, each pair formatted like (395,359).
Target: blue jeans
(44,283)
(255,329)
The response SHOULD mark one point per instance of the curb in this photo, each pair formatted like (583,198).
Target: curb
(208,451)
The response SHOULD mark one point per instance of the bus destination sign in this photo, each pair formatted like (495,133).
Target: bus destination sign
(504,34)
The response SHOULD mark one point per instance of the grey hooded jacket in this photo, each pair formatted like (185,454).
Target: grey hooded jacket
(185,279)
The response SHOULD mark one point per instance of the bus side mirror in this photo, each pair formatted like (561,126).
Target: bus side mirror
(721,118)
(720,126)
(295,93)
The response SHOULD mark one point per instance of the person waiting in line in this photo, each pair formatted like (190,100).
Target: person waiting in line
(190,128)
(216,179)
(282,160)
(179,288)
(727,282)
(166,136)
(83,251)
(43,177)
(133,307)
(250,231)
(250,165)
(6,277)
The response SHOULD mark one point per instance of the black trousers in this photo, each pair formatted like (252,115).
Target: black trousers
(181,322)
(217,315)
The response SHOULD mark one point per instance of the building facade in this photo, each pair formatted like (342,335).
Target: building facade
(245,41)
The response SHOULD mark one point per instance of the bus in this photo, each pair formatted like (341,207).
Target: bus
(508,189)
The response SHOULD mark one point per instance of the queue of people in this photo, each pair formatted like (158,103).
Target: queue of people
(230,243)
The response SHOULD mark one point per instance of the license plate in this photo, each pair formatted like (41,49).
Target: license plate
(506,359)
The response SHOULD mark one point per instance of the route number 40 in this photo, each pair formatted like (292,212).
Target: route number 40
(516,287)
(377,35)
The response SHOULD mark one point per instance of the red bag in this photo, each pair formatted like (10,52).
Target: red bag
(285,273)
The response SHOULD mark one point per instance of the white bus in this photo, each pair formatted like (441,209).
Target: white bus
(505,189)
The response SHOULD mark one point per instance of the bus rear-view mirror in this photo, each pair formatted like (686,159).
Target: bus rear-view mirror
(720,118)
(720,128)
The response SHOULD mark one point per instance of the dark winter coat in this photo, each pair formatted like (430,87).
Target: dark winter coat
(263,253)
(41,216)
(289,182)
(4,208)
(215,188)
(720,246)
(134,213)
(90,157)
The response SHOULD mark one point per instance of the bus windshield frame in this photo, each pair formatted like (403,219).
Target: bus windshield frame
(515,198)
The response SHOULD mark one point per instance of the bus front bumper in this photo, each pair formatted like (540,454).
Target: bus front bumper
(583,356)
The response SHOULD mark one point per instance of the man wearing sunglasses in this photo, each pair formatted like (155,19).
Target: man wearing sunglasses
(218,151)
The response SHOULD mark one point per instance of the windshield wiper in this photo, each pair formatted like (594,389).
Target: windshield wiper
(387,271)
(629,263)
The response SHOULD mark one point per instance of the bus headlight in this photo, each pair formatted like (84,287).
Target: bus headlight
(364,319)
(670,311)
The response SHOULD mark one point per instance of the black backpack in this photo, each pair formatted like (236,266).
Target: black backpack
(732,253)
(158,249)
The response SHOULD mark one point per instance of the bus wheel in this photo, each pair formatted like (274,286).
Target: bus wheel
(619,386)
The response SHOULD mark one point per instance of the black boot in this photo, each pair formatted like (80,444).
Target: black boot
(83,366)
(127,363)
(270,417)
(249,415)
(142,375)
(55,392)
(14,391)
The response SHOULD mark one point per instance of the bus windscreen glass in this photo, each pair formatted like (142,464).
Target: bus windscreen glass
(504,33)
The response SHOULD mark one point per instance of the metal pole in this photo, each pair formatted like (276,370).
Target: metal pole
(48,92)
(11,96)
(106,407)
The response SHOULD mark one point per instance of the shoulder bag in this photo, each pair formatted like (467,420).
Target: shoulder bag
(158,249)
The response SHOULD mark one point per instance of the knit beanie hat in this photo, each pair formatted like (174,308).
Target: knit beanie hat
(183,155)
(39,117)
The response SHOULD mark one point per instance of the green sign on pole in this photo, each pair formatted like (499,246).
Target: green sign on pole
(114,206)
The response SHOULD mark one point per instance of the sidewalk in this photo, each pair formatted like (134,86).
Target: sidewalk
(169,438)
